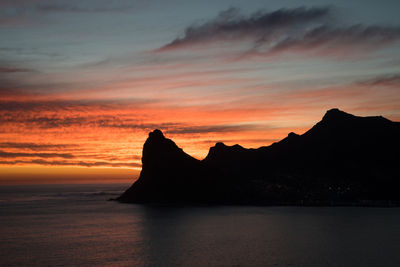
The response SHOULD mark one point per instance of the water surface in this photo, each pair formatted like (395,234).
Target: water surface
(75,225)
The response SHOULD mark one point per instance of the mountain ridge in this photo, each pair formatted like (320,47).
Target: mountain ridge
(341,159)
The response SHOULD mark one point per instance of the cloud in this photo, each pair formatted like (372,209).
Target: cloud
(14,21)
(13,70)
(26,6)
(81,9)
(52,114)
(311,30)
(45,122)
(141,126)
(4,154)
(261,26)
(327,40)
(28,103)
(54,121)
(72,163)
(391,80)
(35,147)
(58,122)
(30,116)
(61,120)
(213,129)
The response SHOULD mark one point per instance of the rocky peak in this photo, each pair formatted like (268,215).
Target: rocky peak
(159,151)
(156,134)
(220,151)
(336,115)
(220,145)
(292,135)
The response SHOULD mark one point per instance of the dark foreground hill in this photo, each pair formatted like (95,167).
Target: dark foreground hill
(342,160)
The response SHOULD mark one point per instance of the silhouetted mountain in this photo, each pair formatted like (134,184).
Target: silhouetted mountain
(169,175)
(343,159)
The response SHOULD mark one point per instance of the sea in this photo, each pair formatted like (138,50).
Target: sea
(75,225)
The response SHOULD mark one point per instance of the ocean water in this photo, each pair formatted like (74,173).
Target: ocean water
(74,225)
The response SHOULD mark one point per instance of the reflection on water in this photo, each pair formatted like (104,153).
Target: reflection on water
(74,225)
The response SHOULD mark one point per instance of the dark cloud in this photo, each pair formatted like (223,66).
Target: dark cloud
(260,26)
(71,105)
(176,128)
(54,121)
(72,163)
(13,70)
(384,80)
(328,40)
(32,115)
(59,122)
(21,86)
(44,122)
(37,105)
(301,29)
(25,7)
(4,154)
(35,147)
(134,125)
(213,129)
(64,121)
(81,9)
(14,21)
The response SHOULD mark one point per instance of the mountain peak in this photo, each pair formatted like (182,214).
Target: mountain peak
(335,110)
(157,146)
(220,151)
(220,145)
(156,134)
(335,114)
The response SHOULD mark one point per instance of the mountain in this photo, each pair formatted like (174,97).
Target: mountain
(342,160)
(170,175)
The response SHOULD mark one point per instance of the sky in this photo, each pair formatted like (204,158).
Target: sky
(83,82)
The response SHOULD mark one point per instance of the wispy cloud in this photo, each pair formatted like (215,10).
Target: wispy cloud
(72,163)
(261,26)
(13,70)
(343,41)
(60,121)
(306,30)
(82,9)
(382,80)
(4,154)
(21,6)
(188,129)
(35,146)
(14,21)
(67,105)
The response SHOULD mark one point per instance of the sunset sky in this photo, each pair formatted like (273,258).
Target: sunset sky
(83,82)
